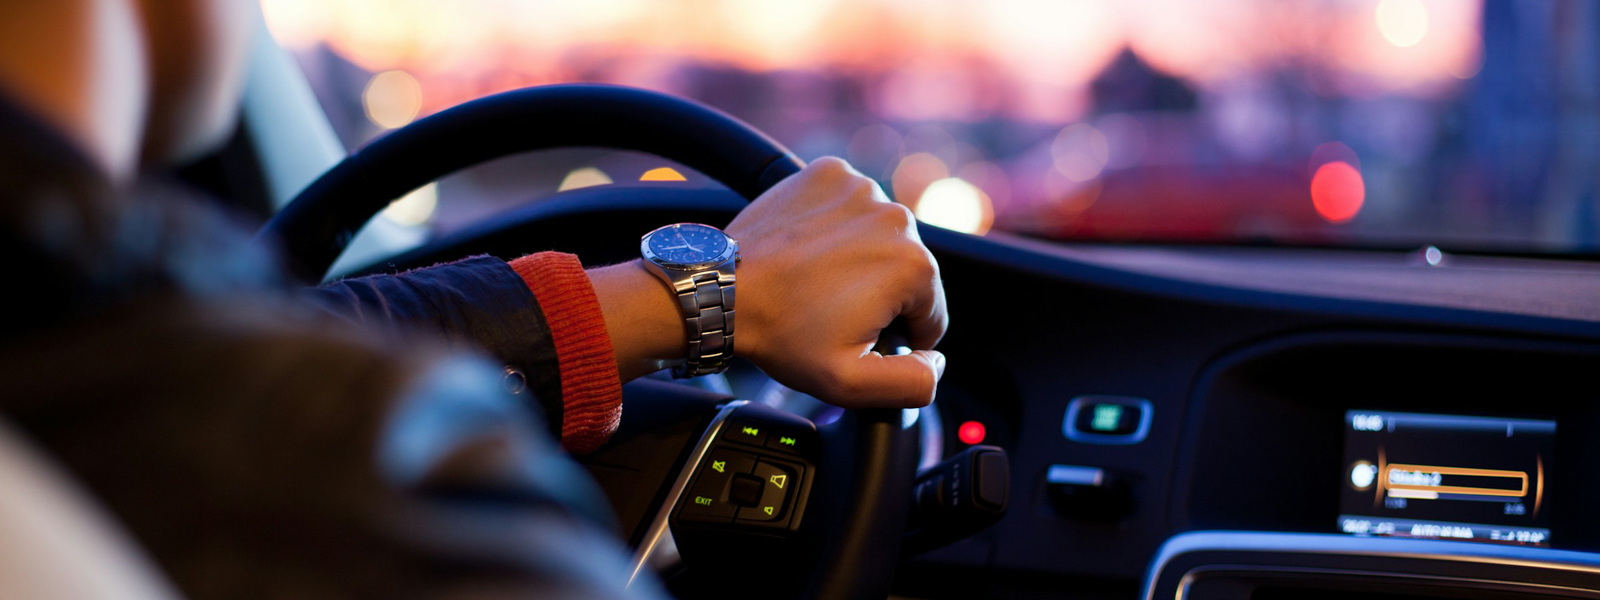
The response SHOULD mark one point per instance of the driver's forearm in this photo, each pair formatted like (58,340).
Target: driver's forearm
(643,324)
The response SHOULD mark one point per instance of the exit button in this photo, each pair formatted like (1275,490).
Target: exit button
(1107,420)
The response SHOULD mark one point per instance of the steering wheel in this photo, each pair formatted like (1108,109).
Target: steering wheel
(859,479)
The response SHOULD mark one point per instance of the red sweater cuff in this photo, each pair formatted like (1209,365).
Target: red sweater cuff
(591,389)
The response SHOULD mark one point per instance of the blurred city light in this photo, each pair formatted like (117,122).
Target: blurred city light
(392,99)
(1084,119)
(414,209)
(583,177)
(662,174)
(1080,152)
(1402,22)
(1030,59)
(991,180)
(1337,191)
(914,174)
(955,205)
(874,149)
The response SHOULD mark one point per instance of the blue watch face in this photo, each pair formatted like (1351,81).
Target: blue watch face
(688,243)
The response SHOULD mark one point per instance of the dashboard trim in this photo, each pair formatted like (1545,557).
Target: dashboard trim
(1193,575)
(1347,545)
(657,537)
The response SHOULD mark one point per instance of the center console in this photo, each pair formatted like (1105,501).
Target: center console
(1395,435)
(1387,465)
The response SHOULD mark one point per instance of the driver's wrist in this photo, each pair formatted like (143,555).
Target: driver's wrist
(646,331)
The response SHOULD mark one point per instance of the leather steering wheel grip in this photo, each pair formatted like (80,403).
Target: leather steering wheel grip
(320,222)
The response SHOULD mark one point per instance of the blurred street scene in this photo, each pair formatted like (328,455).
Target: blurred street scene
(1384,123)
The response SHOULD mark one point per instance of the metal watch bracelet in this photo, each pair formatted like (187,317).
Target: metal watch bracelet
(706,301)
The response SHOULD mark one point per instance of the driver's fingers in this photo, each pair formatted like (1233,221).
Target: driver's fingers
(891,381)
(926,319)
(924,310)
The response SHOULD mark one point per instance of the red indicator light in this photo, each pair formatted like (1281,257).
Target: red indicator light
(971,433)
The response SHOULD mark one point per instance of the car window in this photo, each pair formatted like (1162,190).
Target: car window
(1388,123)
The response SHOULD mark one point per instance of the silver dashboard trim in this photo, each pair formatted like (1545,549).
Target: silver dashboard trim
(1195,574)
(1348,545)
(657,537)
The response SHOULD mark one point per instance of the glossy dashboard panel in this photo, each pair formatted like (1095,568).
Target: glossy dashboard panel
(1291,399)
(1290,339)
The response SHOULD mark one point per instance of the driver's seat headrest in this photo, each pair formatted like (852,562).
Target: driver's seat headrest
(57,543)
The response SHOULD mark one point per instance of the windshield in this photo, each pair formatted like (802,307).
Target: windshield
(1394,123)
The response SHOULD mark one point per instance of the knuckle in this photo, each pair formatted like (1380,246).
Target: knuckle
(895,215)
(830,166)
(921,266)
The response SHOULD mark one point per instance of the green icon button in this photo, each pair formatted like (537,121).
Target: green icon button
(787,441)
(767,509)
(719,465)
(1106,417)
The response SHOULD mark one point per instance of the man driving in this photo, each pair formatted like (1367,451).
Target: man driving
(356,439)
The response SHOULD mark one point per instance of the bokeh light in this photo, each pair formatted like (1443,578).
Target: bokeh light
(914,174)
(1402,22)
(874,148)
(1080,152)
(1082,119)
(662,174)
(414,209)
(392,99)
(955,205)
(1337,192)
(583,177)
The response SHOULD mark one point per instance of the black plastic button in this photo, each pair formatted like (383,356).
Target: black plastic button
(745,490)
(746,431)
(707,500)
(777,481)
(991,475)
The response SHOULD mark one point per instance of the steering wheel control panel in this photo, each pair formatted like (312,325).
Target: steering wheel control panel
(755,475)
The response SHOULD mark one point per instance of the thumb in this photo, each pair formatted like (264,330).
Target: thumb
(892,381)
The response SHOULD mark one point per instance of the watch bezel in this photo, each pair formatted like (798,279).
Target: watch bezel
(729,250)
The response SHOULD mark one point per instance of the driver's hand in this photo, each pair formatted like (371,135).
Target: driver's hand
(828,263)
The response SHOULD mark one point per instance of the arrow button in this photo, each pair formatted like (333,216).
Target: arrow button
(776,494)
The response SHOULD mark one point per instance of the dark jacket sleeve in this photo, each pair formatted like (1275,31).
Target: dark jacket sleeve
(258,454)
(477,303)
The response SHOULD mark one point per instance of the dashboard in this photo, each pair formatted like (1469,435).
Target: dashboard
(1365,395)
(1157,403)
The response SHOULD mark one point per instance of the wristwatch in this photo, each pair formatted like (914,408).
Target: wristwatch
(696,262)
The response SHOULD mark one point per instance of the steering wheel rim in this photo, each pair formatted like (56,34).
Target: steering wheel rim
(314,229)
(874,467)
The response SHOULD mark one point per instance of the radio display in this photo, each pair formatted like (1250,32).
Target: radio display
(1480,479)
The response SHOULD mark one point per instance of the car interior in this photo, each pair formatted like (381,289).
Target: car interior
(1275,408)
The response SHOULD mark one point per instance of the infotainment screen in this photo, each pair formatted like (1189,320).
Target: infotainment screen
(1479,479)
